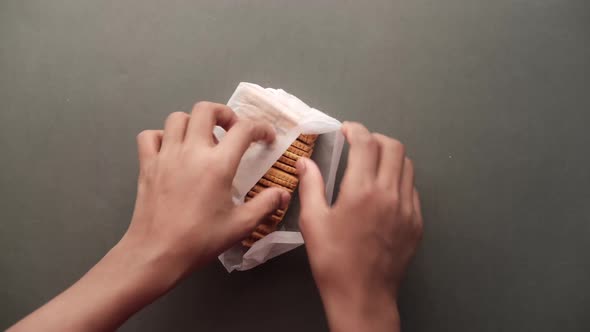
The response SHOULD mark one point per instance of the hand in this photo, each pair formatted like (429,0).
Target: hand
(184,209)
(359,248)
(183,217)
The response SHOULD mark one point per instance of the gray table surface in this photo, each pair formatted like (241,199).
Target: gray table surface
(492,99)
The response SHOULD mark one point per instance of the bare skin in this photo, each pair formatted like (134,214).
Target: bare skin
(360,247)
(184,217)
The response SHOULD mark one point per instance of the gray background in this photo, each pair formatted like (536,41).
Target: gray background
(492,99)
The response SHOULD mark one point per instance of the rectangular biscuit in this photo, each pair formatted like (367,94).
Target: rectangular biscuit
(280,174)
(281,182)
(309,139)
(268,183)
(299,152)
(302,146)
(287,161)
(258,188)
(287,168)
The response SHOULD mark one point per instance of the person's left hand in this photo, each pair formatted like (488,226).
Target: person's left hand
(184,215)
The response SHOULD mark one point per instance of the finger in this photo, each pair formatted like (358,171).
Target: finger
(148,145)
(312,195)
(250,214)
(363,155)
(417,207)
(174,129)
(204,117)
(392,154)
(406,193)
(240,136)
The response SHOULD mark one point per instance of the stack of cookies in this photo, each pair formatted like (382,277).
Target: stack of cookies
(283,175)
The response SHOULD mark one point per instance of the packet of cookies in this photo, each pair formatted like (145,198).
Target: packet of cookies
(302,131)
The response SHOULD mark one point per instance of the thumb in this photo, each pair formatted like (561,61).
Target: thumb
(311,194)
(264,204)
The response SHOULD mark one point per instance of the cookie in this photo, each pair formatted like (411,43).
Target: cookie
(248,242)
(268,183)
(257,235)
(257,188)
(262,230)
(287,161)
(284,167)
(308,139)
(299,152)
(276,219)
(291,155)
(282,178)
(265,229)
(302,146)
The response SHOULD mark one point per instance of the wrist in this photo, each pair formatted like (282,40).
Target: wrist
(147,265)
(360,309)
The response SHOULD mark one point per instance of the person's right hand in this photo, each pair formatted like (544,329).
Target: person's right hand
(360,247)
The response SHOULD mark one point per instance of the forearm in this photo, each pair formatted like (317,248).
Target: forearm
(122,283)
(350,311)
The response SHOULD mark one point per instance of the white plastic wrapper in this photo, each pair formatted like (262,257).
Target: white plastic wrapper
(290,118)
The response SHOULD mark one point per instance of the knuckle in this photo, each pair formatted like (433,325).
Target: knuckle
(143,135)
(214,111)
(366,196)
(394,199)
(382,139)
(389,143)
(397,146)
(274,201)
(367,140)
(371,143)
(201,105)
(406,212)
(383,188)
(366,192)
(220,173)
(356,126)
(265,126)
(176,116)
(356,131)
(248,125)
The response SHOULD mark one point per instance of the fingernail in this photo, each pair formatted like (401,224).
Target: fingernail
(285,198)
(300,166)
